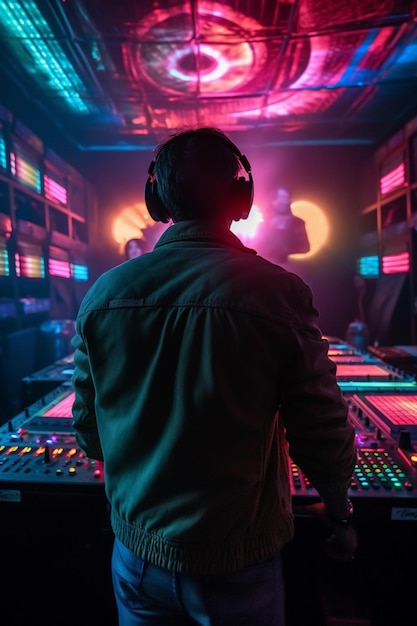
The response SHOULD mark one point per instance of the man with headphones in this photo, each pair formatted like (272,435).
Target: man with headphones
(199,368)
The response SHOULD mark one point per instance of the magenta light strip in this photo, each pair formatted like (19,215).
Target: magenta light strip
(59,268)
(396,263)
(394,179)
(54,191)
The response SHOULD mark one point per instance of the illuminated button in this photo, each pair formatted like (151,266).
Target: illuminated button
(59,472)
(97,473)
(25,450)
(72,471)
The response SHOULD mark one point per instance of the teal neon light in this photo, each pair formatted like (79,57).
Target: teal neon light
(79,272)
(3,156)
(24,23)
(368,266)
(4,263)
(354,387)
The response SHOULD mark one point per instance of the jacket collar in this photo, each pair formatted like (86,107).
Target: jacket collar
(201,230)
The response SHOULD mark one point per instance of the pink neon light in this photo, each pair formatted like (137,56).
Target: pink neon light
(54,191)
(396,263)
(59,268)
(63,408)
(394,179)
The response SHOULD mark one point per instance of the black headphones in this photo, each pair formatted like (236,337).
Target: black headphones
(242,191)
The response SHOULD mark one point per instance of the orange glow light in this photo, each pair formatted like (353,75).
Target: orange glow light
(317,226)
(130,224)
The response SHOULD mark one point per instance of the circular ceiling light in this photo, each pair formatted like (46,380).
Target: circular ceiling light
(216,54)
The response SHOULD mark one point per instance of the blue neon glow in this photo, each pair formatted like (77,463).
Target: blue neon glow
(79,272)
(38,43)
(369,266)
(3,156)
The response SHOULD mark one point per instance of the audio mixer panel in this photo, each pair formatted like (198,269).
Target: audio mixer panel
(37,385)
(352,358)
(52,496)
(53,410)
(383,471)
(359,373)
(56,416)
(365,372)
(395,413)
(39,447)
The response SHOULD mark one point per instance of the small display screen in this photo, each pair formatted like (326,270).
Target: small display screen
(61,407)
(365,371)
(397,411)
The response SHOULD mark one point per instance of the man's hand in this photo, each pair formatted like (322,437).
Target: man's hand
(342,541)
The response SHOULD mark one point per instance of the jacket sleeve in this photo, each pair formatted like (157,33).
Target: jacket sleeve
(83,409)
(321,438)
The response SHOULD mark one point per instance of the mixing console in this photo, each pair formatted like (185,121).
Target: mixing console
(365,372)
(357,372)
(39,447)
(377,473)
(52,496)
(395,412)
(45,380)
(352,358)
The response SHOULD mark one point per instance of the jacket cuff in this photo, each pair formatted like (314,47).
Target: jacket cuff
(338,507)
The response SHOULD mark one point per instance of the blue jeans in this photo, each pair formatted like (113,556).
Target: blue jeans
(146,594)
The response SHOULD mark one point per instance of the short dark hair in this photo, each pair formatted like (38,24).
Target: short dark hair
(195,171)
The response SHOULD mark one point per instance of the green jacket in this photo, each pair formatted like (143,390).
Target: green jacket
(196,365)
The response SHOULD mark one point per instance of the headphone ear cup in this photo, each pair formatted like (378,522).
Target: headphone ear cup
(156,208)
(243,198)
